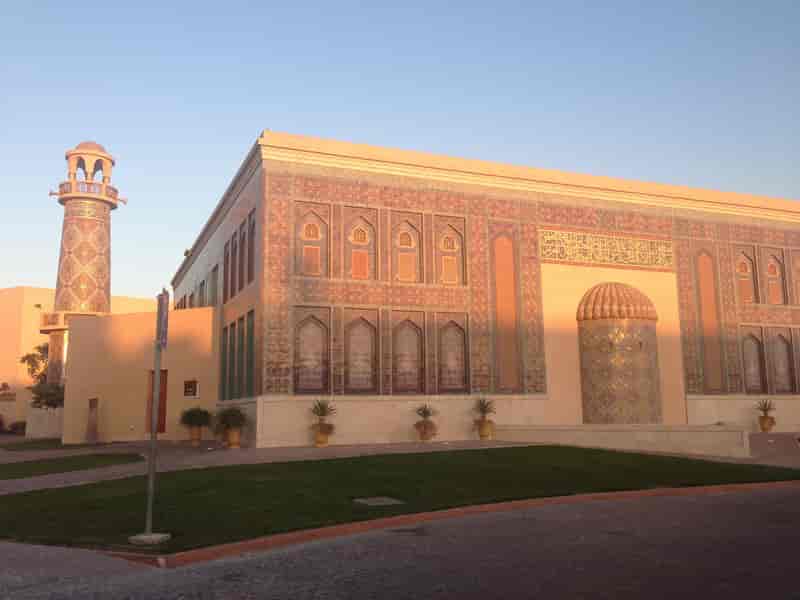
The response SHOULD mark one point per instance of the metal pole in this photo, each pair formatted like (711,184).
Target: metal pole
(153,450)
(148,537)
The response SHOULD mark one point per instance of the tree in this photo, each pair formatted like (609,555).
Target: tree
(37,363)
(45,395)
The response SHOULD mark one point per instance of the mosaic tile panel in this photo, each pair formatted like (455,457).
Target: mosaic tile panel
(590,248)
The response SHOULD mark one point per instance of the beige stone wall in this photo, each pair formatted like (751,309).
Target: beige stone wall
(286,421)
(739,410)
(20,312)
(710,441)
(110,359)
(563,286)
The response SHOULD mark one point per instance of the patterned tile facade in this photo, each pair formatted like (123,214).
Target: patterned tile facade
(544,227)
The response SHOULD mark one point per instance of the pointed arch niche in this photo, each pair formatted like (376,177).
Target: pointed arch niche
(782,369)
(360,249)
(452,355)
(408,372)
(407,253)
(361,353)
(755,381)
(711,340)
(312,351)
(311,243)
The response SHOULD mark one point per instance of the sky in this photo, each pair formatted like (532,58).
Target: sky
(702,94)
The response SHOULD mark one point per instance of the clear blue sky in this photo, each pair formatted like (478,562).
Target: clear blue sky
(704,94)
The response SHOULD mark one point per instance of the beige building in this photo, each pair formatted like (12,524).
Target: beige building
(384,278)
(21,310)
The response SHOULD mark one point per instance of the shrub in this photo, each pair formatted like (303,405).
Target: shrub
(196,417)
(765,406)
(47,395)
(229,418)
(484,407)
(17,427)
(426,411)
(323,408)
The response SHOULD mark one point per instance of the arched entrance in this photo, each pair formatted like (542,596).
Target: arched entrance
(620,380)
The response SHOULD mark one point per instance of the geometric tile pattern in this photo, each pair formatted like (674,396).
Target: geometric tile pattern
(84,282)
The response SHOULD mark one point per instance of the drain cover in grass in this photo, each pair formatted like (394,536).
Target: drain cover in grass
(378,501)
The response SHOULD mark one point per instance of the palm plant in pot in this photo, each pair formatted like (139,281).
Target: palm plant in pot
(425,427)
(230,422)
(322,409)
(765,421)
(195,419)
(485,426)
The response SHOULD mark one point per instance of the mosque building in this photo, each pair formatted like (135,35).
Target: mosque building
(382,279)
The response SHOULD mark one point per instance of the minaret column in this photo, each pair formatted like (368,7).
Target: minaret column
(83,285)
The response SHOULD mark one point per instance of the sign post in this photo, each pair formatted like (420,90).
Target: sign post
(162,322)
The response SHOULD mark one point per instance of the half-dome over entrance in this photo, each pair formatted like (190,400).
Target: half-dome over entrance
(614,300)
(620,380)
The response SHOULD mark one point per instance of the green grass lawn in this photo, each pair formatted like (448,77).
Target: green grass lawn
(42,444)
(225,504)
(32,468)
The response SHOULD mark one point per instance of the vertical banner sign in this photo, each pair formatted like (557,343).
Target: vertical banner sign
(163,319)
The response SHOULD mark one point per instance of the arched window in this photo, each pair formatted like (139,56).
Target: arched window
(312,246)
(407,264)
(311,356)
(361,373)
(451,258)
(776,289)
(745,279)
(452,358)
(407,365)
(782,365)
(753,357)
(361,250)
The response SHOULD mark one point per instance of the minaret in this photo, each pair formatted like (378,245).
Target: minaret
(83,286)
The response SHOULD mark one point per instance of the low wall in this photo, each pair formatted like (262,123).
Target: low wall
(711,441)
(739,411)
(44,423)
(287,420)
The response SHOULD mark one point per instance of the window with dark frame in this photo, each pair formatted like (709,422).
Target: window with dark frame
(190,388)
(240,388)
(223,381)
(225,272)
(213,286)
(251,359)
(234,264)
(251,247)
(232,361)
(242,254)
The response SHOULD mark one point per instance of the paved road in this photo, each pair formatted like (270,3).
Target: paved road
(735,545)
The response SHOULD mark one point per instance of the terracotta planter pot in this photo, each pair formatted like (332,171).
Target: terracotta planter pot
(234,437)
(320,439)
(485,429)
(195,434)
(766,423)
(426,430)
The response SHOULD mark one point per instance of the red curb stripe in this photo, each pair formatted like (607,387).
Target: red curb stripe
(282,540)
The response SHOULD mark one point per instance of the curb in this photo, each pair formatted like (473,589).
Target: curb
(282,540)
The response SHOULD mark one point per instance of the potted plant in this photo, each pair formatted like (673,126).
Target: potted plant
(485,426)
(425,427)
(230,421)
(322,409)
(195,419)
(765,421)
